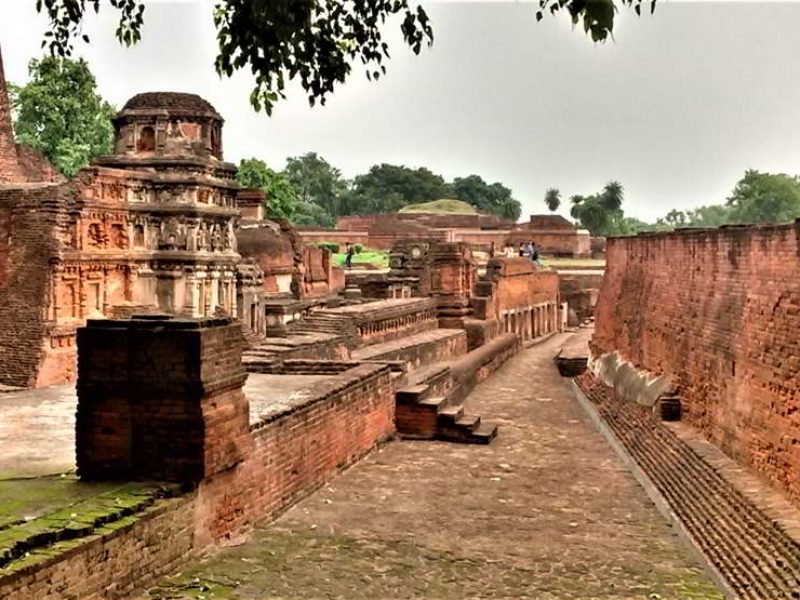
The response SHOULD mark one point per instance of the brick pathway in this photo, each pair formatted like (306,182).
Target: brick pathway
(547,511)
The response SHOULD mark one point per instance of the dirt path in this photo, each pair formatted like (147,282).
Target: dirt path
(547,511)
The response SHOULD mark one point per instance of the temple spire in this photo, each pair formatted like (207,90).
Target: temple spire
(9,164)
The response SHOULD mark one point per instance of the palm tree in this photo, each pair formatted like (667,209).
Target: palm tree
(612,196)
(576,201)
(552,198)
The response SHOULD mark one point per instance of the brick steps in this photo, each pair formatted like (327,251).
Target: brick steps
(430,405)
(751,552)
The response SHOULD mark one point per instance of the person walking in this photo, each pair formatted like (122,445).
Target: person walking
(350,251)
(535,257)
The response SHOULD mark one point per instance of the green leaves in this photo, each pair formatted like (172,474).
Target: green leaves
(282,198)
(493,199)
(552,198)
(66,19)
(313,41)
(316,42)
(600,213)
(60,114)
(597,16)
(764,197)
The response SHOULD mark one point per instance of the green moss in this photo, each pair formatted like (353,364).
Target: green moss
(38,514)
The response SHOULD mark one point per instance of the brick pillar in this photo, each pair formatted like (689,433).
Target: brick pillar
(160,399)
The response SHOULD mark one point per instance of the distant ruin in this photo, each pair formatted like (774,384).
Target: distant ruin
(554,235)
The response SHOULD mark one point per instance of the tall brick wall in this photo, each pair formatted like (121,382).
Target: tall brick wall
(32,215)
(718,310)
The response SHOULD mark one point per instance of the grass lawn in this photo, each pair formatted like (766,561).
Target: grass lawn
(589,263)
(378,258)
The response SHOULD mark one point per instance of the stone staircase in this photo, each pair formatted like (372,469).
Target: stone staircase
(752,553)
(426,408)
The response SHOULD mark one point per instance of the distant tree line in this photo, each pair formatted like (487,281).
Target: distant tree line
(310,191)
(60,113)
(757,198)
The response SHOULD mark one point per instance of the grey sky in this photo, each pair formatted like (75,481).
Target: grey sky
(676,108)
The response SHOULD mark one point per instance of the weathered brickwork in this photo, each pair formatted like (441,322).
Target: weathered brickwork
(717,310)
(28,221)
(160,400)
(112,565)
(151,226)
(297,449)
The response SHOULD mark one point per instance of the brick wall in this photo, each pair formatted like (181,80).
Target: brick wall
(113,565)
(296,446)
(32,215)
(520,284)
(716,310)
(296,449)
(160,399)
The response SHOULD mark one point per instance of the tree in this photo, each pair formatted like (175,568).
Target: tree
(282,197)
(388,188)
(310,213)
(59,113)
(602,213)
(552,198)
(612,195)
(313,41)
(712,215)
(764,197)
(492,198)
(316,181)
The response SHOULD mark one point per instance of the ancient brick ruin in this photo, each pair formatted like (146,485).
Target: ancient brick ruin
(218,354)
(213,349)
(151,228)
(554,235)
(711,313)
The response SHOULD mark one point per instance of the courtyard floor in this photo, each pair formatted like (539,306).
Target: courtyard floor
(545,512)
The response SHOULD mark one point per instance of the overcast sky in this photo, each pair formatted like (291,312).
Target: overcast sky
(676,108)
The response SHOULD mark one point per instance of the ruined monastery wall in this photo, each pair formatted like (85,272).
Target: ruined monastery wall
(28,221)
(717,311)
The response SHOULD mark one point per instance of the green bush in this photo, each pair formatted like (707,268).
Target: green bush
(331,247)
(358,248)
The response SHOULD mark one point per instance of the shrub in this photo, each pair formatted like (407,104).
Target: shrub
(331,247)
(358,248)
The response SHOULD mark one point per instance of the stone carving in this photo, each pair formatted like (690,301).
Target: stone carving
(95,236)
(173,235)
(203,238)
(119,236)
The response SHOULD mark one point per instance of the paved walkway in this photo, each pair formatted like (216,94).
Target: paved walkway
(546,512)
